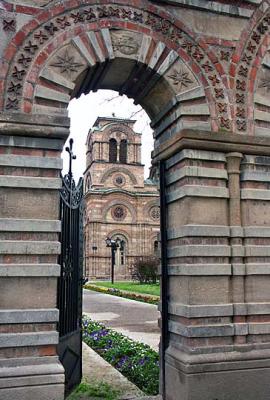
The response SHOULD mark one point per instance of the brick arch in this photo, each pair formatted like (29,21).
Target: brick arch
(258,120)
(122,170)
(121,232)
(111,130)
(62,23)
(247,62)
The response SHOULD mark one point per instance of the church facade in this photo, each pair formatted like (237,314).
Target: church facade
(119,203)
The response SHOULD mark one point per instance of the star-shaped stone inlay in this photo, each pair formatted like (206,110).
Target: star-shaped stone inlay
(66,63)
(265,83)
(180,78)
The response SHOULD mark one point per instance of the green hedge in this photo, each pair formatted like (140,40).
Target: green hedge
(137,361)
(145,298)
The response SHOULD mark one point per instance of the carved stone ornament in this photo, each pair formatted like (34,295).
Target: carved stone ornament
(265,83)
(125,43)
(66,63)
(180,78)
(9,25)
(225,55)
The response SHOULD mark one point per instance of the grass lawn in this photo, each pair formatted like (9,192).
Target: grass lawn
(98,390)
(153,289)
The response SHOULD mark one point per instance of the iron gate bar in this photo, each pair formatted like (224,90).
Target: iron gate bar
(70,282)
(164,271)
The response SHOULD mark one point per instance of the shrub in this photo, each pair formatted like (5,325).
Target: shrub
(137,361)
(145,269)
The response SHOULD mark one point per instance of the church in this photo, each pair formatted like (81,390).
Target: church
(119,203)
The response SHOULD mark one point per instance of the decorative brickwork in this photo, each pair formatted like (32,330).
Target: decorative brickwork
(174,36)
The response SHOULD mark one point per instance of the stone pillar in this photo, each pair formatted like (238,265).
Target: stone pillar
(218,257)
(30,163)
(236,242)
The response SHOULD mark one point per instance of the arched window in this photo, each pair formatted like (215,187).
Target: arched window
(88,183)
(121,251)
(156,247)
(112,151)
(123,151)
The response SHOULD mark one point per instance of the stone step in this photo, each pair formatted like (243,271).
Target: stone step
(144,398)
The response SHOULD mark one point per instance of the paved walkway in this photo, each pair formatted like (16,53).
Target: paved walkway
(135,319)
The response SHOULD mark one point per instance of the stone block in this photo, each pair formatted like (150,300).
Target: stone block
(29,316)
(51,94)
(257,289)
(30,182)
(45,392)
(256,212)
(41,293)
(31,162)
(199,290)
(196,211)
(191,230)
(31,142)
(29,225)
(32,378)
(26,203)
(29,270)
(218,385)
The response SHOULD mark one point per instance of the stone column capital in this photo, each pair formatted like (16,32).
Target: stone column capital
(233,162)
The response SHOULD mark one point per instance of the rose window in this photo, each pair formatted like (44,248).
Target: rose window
(119,180)
(118,213)
(155,213)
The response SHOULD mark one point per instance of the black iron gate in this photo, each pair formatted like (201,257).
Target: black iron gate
(70,282)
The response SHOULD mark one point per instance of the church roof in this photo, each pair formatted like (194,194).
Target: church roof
(113,119)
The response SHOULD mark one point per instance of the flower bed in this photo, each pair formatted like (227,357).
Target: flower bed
(145,298)
(137,361)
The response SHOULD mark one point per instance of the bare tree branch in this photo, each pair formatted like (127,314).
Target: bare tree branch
(109,99)
(132,115)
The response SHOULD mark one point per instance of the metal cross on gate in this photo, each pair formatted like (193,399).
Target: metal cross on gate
(72,156)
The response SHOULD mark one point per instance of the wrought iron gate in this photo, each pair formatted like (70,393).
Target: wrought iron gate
(70,281)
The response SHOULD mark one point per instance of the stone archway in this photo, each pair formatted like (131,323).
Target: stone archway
(199,91)
(80,50)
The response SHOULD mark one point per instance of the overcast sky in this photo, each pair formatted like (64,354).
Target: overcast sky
(83,113)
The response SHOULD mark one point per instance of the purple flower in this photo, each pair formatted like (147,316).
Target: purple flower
(121,362)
